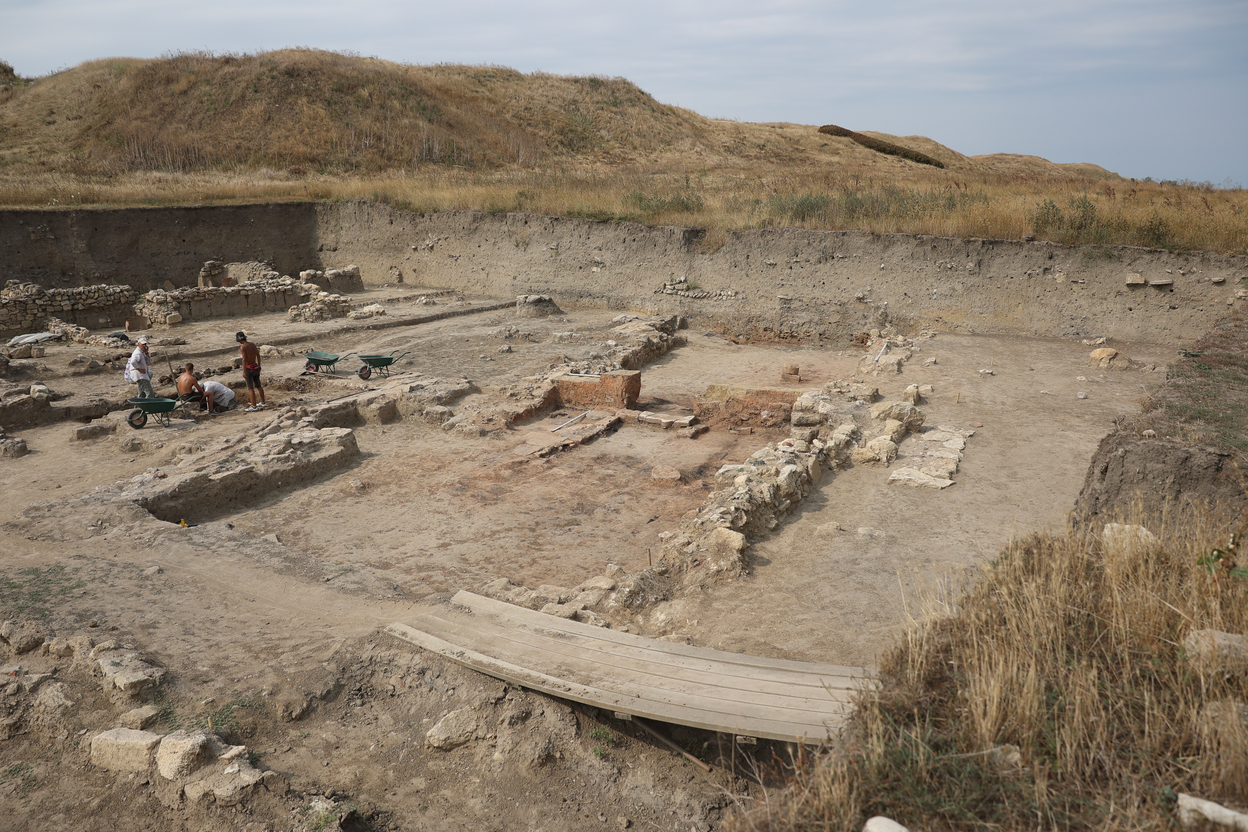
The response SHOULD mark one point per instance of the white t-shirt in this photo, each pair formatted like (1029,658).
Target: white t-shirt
(137,367)
(222,396)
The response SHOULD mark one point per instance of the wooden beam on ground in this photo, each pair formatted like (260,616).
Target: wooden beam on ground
(675,683)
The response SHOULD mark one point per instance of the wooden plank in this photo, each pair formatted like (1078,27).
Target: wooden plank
(702,688)
(482,632)
(480,602)
(590,672)
(610,700)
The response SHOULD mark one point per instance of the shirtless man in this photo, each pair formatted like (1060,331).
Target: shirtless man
(251,371)
(189,386)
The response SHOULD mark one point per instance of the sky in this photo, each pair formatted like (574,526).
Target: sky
(1142,87)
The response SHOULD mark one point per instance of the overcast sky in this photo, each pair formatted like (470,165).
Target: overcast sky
(1142,87)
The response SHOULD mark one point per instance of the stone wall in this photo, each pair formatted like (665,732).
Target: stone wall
(269,292)
(26,307)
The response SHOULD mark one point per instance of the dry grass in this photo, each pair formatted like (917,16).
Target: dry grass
(1069,650)
(303,124)
(1205,399)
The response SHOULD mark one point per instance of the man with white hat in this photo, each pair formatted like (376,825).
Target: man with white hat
(138,371)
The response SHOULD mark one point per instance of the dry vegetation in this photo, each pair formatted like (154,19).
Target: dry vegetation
(1056,695)
(303,124)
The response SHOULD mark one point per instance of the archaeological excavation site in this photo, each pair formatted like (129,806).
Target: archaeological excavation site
(548,524)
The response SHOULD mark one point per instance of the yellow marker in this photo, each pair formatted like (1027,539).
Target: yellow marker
(183,523)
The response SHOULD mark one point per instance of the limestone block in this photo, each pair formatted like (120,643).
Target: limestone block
(879,823)
(665,475)
(901,411)
(806,419)
(725,550)
(453,730)
(232,779)
(21,636)
(1135,279)
(181,753)
(1216,649)
(912,395)
(568,610)
(124,749)
(914,477)
(603,582)
(140,718)
(94,431)
(1123,540)
(1195,813)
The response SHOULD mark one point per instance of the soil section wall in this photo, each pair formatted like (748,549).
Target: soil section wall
(794,283)
(144,247)
(773,284)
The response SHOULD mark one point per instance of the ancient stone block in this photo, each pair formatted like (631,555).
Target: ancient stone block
(124,749)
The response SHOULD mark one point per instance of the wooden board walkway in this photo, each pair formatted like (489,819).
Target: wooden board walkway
(710,689)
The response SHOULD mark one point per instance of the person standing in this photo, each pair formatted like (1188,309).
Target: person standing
(139,372)
(251,371)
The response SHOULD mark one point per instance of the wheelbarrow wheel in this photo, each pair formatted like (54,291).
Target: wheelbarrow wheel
(309,367)
(365,372)
(137,418)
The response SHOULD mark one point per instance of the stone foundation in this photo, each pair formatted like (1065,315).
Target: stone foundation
(25,307)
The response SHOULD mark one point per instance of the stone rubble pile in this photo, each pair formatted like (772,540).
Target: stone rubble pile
(322,307)
(681,288)
(41,692)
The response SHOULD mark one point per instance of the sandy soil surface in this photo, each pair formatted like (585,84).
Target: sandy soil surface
(298,587)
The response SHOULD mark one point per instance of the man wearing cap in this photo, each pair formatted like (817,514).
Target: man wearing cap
(138,372)
(251,370)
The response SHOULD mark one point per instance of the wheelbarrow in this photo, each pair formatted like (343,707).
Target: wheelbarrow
(381,363)
(323,362)
(160,408)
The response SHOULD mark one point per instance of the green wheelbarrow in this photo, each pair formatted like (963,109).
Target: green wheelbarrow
(323,362)
(160,408)
(380,363)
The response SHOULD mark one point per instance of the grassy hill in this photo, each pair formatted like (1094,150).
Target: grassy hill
(298,124)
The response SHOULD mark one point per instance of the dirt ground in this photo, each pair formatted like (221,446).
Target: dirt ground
(252,621)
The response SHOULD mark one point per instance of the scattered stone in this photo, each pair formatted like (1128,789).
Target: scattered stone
(1216,649)
(790,372)
(1135,279)
(140,718)
(665,475)
(879,823)
(94,431)
(1125,540)
(21,636)
(914,477)
(181,754)
(1195,813)
(453,730)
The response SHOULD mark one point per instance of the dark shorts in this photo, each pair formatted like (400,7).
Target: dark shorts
(252,377)
(194,396)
